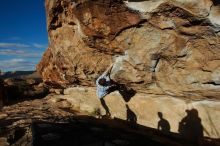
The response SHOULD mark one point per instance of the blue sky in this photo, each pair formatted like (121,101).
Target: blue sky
(23,34)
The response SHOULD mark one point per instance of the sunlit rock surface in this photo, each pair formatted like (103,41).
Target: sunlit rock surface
(146,108)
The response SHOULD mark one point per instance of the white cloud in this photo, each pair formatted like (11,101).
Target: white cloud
(41,46)
(16,64)
(20,45)
(13,45)
(28,52)
(20,53)
(15,38)
(10,52)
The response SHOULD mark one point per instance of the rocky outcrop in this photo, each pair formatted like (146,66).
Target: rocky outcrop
(17,89)
(168,51)
(84,31)
(166,47)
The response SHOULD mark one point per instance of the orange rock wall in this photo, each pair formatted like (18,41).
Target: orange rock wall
(160,47)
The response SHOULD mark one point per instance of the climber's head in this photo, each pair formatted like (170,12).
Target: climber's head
(102,81)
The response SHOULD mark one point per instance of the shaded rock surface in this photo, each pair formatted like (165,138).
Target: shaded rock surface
(90,131)
(16,119)
(22,89)
(19,74)
(165,47)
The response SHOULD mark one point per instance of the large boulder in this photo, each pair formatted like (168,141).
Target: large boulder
(168,51)
(169,46)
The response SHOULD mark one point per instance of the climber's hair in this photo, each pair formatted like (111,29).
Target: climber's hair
(102,81)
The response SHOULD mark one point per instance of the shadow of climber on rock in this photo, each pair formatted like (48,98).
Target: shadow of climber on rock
(163,125)
(131,116)
(190,127)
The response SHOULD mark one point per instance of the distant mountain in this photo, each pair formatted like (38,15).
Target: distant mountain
(19,74)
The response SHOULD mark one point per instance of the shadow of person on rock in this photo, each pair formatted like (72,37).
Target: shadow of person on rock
(131,116)
(190,127)
(163,125)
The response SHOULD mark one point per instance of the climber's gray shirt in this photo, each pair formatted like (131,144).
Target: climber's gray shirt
(102,91)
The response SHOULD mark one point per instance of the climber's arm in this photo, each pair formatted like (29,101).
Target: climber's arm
(108,72)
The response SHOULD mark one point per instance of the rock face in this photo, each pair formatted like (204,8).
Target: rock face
(169,46)
(169,50)
(81,39)
(187,118)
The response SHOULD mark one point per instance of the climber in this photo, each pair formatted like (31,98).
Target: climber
(105,86)
(104,83)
